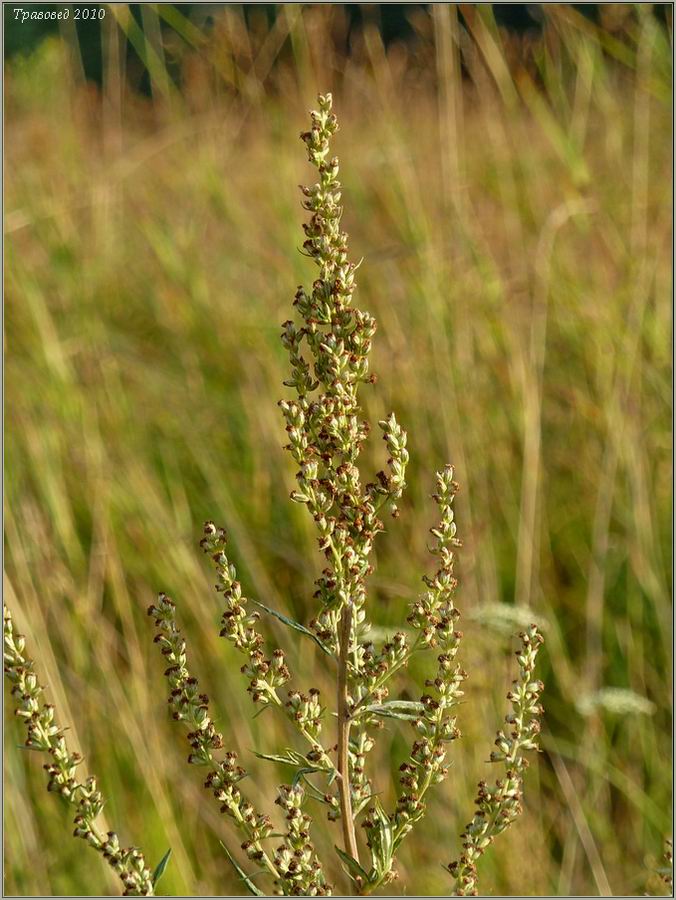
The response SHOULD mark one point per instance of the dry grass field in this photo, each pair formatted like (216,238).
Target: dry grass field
(511,197)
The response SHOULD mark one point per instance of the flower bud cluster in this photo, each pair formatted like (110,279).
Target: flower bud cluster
(323,423)
(378,665)
(239,626)
(325,625)
(433,613)
(266,675)
(191,707)
(306,712)
(425,766)
(360,785)
(331,800)
(222,782)
(392,486)
(296,861)
(45,735)
(128,863)
(187,703)
(667,873)
(500,804)
(436,727)
(434,616)
(523,722)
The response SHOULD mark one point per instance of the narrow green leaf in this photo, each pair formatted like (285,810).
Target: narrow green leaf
(289,758)
(359,807)
(406,710)
(404,705)
(275,757)
(242,874)
(387,838)
(315,793)
(353,867)
(161,866)
(301,773)
(293,624)
(389,714)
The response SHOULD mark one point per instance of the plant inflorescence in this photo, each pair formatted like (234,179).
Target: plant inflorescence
(45,735)
(328,349)
(667,872)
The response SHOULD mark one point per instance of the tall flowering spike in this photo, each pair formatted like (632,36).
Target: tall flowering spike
(265,675)
(433,617)
(500,804)
(188,705)
(45,735)
(328,353)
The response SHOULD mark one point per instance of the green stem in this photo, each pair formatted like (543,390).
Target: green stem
(349,836)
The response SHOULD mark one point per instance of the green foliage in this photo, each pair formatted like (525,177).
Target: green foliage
(161,867)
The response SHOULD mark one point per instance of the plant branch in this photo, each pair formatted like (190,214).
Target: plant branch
(45,735)
(192,708)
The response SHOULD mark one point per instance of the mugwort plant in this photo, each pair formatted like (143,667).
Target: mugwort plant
(328,346)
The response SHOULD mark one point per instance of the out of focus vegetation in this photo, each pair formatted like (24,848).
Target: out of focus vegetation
(510,195)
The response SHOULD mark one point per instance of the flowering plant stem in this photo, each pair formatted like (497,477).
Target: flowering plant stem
(329,360)
(328,354)
(44,735)
(343,706)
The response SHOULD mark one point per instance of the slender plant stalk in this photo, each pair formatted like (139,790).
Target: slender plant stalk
(500,804)
(290,876)
(344,787)
(192,707)
(266,675)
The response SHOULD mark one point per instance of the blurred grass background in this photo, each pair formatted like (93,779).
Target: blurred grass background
(511,195)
